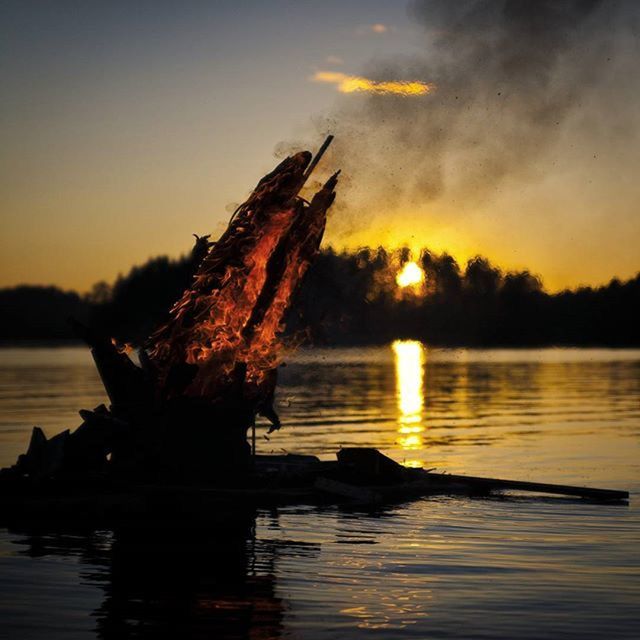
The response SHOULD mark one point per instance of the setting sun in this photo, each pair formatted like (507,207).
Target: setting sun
(410,275)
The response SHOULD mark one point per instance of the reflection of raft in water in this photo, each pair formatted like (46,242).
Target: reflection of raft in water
(360,476)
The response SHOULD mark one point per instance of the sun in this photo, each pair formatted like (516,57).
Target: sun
(410,275)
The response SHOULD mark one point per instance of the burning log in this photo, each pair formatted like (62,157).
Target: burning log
(208,371)
(222,344)
(234,309)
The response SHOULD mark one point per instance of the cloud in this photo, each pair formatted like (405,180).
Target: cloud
(358,84)
(334,60)
(377,28)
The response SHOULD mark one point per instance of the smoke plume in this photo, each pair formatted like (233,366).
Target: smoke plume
(509,74)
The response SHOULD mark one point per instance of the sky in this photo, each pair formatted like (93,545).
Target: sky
(128,126)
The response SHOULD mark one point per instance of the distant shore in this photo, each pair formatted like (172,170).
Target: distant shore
(352,298)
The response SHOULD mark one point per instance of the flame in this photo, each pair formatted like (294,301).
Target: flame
(225,330)
(124,347)
(352,84)
(411,275)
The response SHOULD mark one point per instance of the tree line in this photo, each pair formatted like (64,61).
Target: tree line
(351,297)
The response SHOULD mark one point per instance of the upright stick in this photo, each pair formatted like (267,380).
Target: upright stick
(314,162)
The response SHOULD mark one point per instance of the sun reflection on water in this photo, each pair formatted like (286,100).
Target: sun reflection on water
(409,362)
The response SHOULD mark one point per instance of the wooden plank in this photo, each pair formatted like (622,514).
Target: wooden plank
(497,484)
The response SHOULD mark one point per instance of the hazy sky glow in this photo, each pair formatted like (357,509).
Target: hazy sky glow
(128,126)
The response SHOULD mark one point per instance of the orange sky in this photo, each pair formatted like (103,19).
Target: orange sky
(123,133)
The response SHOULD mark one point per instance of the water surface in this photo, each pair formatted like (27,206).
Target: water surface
(434,568)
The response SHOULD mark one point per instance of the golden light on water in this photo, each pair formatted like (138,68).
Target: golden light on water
(354,84)
(411,275)
(409,365)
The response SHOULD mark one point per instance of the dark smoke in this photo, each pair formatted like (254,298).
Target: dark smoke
(509,74)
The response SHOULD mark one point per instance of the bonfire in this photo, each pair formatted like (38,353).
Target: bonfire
(180,418)
(207,372)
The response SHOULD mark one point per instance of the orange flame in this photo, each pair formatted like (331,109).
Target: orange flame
(227,326)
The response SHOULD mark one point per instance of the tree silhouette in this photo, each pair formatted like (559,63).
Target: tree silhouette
(353,298)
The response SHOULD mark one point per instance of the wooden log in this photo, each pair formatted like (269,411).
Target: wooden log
(371,466)
(37,443)
(276,266)
(487,485)
(88,446)
(124,382)
(266,212)
(345,490)
(53,457)
(301,244)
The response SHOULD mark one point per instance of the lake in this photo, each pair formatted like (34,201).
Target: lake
(444,567)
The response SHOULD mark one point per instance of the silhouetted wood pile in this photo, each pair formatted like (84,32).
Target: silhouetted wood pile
(359,476)
(204,375)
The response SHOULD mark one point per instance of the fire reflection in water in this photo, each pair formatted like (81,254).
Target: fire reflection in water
(409,360)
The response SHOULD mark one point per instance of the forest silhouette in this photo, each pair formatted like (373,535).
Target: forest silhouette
(353,298)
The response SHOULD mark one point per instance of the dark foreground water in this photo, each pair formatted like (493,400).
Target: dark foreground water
(434,568)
